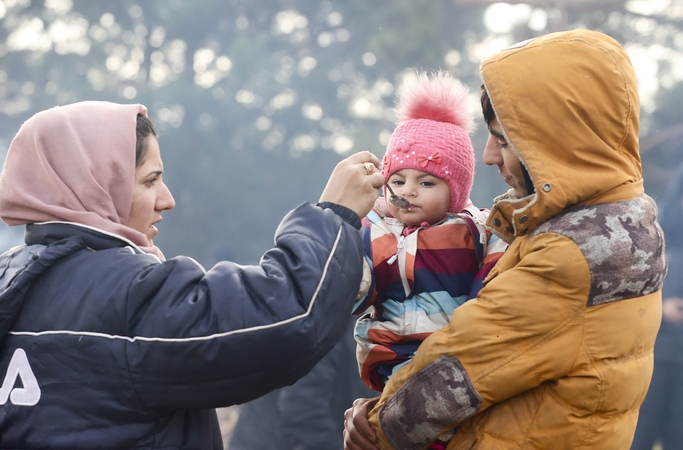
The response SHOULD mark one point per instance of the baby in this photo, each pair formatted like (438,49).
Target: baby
(431,256)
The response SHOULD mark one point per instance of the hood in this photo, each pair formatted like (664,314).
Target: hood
(13,263)
(19,266)
(74,163)
(47,243)
(568,105)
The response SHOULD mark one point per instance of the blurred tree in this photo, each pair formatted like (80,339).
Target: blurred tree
(662,147)
(256,101)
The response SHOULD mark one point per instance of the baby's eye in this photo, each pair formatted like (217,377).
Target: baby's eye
(427,183)
(398,182)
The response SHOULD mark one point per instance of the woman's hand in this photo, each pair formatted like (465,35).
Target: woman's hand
(355,183)
(672,310)
(358,434)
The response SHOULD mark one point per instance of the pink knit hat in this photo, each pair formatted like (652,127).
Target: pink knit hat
(433,134)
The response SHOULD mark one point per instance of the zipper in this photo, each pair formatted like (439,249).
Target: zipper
(399,247)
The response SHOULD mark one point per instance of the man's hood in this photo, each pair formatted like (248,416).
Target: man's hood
(568,105)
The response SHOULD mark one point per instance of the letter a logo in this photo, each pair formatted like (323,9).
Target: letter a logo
(19,367)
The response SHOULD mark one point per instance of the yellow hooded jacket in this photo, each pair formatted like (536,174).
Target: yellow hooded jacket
(556,351)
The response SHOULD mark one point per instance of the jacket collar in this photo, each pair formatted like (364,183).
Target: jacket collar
(48,232)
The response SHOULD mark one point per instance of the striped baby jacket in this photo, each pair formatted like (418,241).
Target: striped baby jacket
(417,281)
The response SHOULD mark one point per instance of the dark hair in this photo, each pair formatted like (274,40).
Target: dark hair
(489,116)
(486,106)
(143,130)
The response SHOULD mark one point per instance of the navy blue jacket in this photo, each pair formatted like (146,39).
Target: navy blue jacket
(309,415)
(103,346)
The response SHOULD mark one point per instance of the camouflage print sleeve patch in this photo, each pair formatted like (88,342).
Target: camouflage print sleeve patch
(623,244)
(439,396)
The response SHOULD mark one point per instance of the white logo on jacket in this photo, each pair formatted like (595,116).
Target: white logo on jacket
(19,367)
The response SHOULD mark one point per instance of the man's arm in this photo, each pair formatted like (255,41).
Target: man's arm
(522,329)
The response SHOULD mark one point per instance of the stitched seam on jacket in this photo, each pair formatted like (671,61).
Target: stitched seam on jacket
(546,337)
(621,243)
(195,338)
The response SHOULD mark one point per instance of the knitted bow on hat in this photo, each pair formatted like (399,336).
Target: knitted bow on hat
(433,134)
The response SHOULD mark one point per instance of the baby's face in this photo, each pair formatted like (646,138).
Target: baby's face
(429,197)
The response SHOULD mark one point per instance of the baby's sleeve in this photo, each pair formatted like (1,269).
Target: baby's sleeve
(366,290)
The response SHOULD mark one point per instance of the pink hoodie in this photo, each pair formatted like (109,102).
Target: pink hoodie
(74,163)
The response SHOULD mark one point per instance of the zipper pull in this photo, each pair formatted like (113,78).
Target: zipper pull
(400,245)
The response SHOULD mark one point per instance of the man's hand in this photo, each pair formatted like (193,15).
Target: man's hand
(358,434)
(355,183)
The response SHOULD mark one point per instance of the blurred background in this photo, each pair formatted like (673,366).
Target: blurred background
(256,101)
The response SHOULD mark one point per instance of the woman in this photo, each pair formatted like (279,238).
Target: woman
(114,347)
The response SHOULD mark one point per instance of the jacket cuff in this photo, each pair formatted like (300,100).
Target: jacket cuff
(345,213)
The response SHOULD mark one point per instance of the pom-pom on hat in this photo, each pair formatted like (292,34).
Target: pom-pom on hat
(432,135)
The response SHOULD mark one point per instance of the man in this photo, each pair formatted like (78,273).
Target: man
(556,351)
